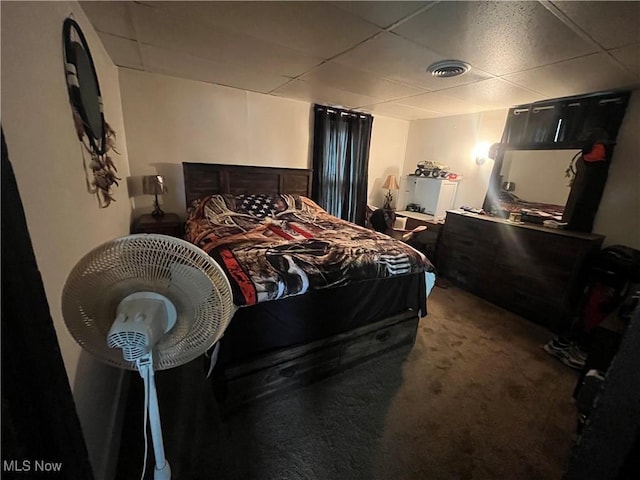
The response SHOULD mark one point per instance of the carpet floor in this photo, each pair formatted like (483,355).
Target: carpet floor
(475,398)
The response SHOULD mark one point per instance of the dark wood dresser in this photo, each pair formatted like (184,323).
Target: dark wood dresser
(533,271)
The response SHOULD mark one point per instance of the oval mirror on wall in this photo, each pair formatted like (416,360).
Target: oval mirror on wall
(86,103)
(82,81)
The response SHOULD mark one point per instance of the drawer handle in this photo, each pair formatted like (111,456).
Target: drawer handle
(288,372)
(384,336)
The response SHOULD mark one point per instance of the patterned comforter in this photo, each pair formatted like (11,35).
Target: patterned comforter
(277,246)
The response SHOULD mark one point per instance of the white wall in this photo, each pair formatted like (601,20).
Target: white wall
(171,120)
(618,216)
(64,221)
(388,148)
(450,140)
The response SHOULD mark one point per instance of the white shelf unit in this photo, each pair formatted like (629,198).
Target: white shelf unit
(435,195)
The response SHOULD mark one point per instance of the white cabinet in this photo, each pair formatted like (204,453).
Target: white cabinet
(435,195)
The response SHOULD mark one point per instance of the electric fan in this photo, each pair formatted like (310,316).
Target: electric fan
(147,302)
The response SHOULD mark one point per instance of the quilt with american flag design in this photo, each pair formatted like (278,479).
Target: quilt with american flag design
(276,246)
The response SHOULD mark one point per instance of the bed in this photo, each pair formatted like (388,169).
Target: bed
(295,272)
(534,212)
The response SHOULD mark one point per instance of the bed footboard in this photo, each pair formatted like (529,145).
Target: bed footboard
(238,384)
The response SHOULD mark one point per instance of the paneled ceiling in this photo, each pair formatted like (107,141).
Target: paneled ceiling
(373,56)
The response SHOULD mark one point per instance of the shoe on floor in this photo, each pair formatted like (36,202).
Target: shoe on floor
(567,352)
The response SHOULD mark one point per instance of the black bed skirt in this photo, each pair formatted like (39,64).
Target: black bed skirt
(318,314)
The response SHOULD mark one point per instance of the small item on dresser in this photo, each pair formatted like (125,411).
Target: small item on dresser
(554,224)
(515,217)
(477,211)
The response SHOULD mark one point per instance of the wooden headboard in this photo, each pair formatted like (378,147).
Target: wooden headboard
(202,179)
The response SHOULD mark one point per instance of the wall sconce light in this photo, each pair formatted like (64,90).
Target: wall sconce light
(154,185)
(389,184)
(481,152)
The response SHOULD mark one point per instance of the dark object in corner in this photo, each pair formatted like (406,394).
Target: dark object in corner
(609,446)
(382,220)
(39,419)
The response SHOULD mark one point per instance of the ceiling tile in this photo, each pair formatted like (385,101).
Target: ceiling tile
(110,17)
(588,74)
(629,56)
(353,80)
(442,103)
(123,52)
(262,46)
(611,24)
(396,110)
(383,14)
(322,94)
(493,94)
(156,27)
(496,37)
(176,64)
(398,59)
(306,26)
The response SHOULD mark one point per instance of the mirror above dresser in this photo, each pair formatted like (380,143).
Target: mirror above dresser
(540,170)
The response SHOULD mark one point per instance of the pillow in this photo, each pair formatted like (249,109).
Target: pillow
(259,206)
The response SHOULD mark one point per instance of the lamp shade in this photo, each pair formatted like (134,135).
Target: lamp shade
(391,183)
(154,185)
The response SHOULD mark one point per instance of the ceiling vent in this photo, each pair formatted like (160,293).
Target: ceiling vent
(448,68)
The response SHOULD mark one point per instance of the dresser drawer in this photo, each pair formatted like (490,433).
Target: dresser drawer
(374,343)
(540,248)
(531,270)
(542,309)
(539,281)
(537,269)
(471,277)
(474,228)
(169,224)
(465,247)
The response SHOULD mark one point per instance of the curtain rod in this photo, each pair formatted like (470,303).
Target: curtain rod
(342,111)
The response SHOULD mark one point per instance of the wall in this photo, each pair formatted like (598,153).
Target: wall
(171,120)
(388,149)
(618,216)
(64,221)
(450,140)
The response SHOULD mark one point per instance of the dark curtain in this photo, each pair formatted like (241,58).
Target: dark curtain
(341,162)
(39,420)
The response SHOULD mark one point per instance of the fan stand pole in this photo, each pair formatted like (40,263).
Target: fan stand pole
(162,470)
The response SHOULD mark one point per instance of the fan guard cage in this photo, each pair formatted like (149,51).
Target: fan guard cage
(180,271)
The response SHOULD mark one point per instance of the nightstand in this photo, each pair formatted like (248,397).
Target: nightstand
(169,224)
(427,239)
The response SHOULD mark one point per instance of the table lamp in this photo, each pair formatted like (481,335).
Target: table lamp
(154,185)
(389,184)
